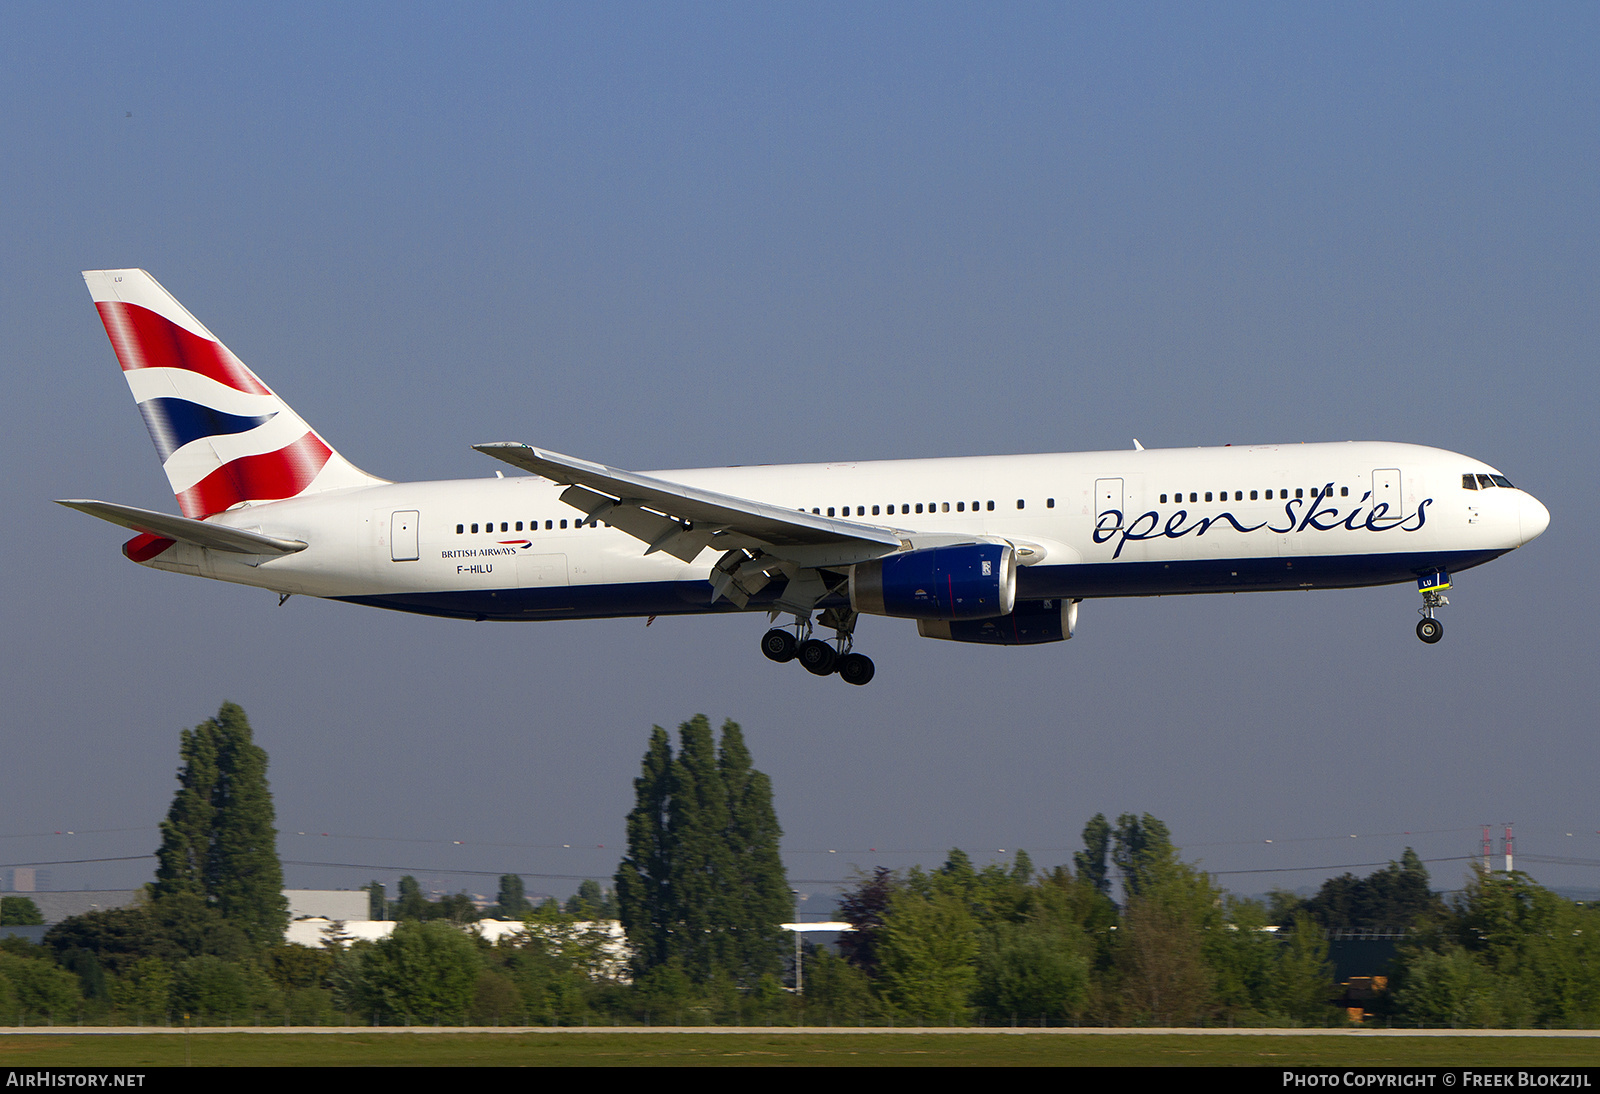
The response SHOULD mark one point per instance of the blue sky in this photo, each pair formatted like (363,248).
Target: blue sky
(682,235)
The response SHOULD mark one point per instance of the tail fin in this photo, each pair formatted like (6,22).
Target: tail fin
(223,437)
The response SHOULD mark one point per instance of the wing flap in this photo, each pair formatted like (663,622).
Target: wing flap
(650,506)
(218,537)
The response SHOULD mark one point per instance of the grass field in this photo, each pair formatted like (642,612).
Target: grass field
(745,1049)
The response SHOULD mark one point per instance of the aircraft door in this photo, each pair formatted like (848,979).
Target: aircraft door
(1386,489)
(1108,498)
(403,536)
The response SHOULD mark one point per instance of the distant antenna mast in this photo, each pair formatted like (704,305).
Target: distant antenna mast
(1508,848)
(1488,849)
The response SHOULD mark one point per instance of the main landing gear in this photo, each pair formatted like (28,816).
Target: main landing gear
(816,656)
(1432,587)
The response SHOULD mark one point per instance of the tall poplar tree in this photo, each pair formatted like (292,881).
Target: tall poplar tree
(703,885)
(641,881)
(760,901)
(219,841)
(700,863)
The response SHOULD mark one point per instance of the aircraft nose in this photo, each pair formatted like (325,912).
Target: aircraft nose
(1533,517)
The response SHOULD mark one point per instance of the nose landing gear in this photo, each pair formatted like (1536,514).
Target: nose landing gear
(1432,587)
(817,656)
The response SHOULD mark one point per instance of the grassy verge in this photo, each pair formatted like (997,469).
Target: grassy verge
(787,1050)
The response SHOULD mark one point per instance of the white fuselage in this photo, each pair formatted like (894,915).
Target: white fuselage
(1086,524)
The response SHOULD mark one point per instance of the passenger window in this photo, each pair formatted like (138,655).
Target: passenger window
(991,507)
(874,510)
(459,529)
(1299,493)
(1253,496)
(563,524)
(474,527)
(1193,496)
(1019,503)
(1238,495)
(1344,491)
(1208,495)
(919,507)
(1163,499)
(830,510)
(961,507)
(1049,503)
(944,507)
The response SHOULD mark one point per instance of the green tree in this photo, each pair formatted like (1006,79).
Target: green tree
(1171,934)
(835,990)
(591,902)
(143,992)
(702,886)
(1302,980)
(643,896)
(1395,897)
(512,903)
(927,953)
(1090,863)
(377,902)
(19,911)
(218,840)
(701,864)
(171,928)
(1539,952)
(412,904)
(38,990)
(1143,851)
(1036,969)
(423,972)
(758,901)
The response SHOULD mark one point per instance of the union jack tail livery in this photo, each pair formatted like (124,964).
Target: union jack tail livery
(225,439)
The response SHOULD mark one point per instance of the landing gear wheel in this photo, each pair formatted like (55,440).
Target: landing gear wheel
(1430,630)
(779,645)
(818,657)
(856,668)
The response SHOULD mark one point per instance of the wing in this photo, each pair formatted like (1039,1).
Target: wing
(219,537)
(756,538)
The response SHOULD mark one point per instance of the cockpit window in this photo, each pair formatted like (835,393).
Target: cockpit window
(1485,482)
(1501,480)
(1469,481)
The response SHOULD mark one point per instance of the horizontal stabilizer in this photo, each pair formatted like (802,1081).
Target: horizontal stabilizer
(218,537)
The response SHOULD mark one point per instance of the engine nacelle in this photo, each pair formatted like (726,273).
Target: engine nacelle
(969,581)
(1032,622)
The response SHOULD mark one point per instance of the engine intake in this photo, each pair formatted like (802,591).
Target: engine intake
(970,581)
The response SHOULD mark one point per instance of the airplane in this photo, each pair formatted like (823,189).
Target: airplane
(997,550)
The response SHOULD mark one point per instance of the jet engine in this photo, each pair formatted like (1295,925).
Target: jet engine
(966,581)
(1032,622)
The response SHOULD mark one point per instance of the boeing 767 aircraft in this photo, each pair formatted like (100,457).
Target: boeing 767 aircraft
(991,549)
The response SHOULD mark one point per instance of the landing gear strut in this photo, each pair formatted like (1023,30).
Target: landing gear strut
(817,656)
(1429,629)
